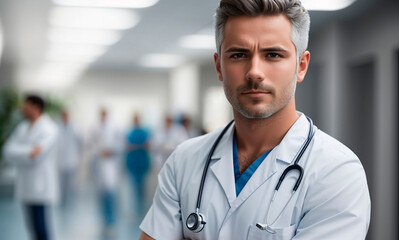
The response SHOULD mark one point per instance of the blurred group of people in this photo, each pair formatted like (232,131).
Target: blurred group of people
(48,157)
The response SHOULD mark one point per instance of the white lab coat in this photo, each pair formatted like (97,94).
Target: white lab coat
(37,179)
(106,136)
(332,201)
(70,147)
(166,140)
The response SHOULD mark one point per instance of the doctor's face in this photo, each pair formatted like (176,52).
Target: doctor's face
(257,65)
(27,109)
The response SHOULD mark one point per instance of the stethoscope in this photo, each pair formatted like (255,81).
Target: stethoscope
(196,220)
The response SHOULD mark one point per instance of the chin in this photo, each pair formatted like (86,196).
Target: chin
(255,114)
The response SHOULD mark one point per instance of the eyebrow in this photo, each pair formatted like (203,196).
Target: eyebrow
(274,49)
(236,49)
(245,50)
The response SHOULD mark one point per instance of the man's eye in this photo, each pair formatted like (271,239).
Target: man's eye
(237,55)
(273,55)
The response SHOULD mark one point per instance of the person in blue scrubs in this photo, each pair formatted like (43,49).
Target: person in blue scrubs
(138,162)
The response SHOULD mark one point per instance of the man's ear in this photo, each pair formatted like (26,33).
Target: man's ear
(303,66)
(216,58)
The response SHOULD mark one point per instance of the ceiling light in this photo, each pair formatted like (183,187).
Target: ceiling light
(71,59)
(74,53)
(83,36)
(93,18)
(325,5)
(107,3)
(59,74)
(77,50)
(47,81)
(53,68)
(162,60)
(198,41)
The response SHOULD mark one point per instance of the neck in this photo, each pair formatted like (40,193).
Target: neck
(34,118)
(256,136)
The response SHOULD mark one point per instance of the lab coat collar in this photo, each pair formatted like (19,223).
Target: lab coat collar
(225,142)
(38,123)
(222,160)
(288,148)
(223,169)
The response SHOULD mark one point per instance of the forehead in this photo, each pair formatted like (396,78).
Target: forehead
(27,102)
(270,30)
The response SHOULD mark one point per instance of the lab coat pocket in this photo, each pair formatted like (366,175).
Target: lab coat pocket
(281,233)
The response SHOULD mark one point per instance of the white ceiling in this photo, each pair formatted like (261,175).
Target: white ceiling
(26,24)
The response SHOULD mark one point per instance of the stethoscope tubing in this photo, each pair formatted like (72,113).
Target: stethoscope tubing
(208,160)
(308,140)
(296,166)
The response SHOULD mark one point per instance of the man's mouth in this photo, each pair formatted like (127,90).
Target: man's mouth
(256,93)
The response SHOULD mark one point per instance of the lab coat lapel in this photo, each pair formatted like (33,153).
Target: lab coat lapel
(35,127)
(222,165)
(293,140)
(264,172)
(281,156)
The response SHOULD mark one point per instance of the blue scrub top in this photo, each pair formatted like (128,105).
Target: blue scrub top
(138,160)
(242,179)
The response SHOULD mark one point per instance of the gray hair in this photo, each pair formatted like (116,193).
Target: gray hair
(293,9)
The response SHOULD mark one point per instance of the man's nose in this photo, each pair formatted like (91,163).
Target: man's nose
(255,70)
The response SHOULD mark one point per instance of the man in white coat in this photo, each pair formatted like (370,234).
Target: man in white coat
(69,156)
(167,139)
(261,56)
(106,149)
(32,149)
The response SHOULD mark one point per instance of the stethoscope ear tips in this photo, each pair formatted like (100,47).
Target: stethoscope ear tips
(195,222)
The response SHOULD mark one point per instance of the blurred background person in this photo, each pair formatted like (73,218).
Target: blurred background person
(138,163)
(105,141)
(166,139)
(69,156)
(188,127)
(32,149)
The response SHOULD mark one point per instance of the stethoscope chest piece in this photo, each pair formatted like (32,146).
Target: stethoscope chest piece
(195,222)
(265,227)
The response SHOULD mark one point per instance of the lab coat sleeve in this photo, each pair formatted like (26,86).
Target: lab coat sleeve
(15,152)
(163,220)
(77,133)
(116,146)
(337,204)
(91,143)
(47,140)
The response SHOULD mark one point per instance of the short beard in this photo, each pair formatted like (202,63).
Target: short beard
(267,110)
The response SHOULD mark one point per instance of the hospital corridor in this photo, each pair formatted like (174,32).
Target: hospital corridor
(115,87)
(80,221)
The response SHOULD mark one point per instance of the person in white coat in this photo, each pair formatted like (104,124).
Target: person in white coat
(32,149)
(167,139)
(106,149)
(187,125)
(69,154)
(261,56)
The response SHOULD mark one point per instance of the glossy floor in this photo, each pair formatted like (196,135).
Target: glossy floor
(80,220)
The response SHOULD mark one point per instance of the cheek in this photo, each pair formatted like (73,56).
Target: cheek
(230,72)
(281,73)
